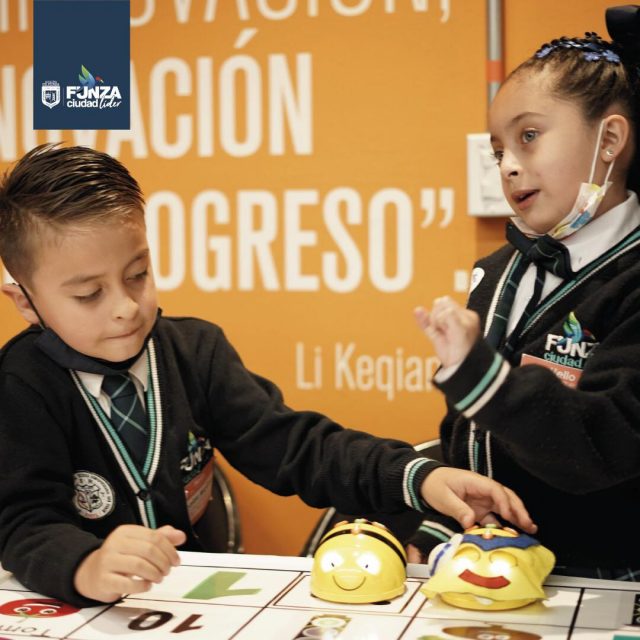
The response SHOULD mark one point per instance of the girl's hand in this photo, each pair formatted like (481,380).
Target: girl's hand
(451,328)
(470,498)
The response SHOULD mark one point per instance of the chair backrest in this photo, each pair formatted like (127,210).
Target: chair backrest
(219,527)
(431,449)
(402,525)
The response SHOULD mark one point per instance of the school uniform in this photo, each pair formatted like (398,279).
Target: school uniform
(67,480)
(558,419)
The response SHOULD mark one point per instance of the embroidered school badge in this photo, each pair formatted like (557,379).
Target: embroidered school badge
(94,497)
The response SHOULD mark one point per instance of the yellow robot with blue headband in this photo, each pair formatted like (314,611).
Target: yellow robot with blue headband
(489,568)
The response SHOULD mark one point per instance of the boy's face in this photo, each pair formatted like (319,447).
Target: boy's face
(93,286)
(544,147)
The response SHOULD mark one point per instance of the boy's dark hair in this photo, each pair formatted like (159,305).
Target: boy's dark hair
(595,83)
(51,187)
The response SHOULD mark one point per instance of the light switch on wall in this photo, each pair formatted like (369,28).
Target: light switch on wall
(461,281)
(484,189)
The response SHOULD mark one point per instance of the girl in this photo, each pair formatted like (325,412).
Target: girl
(542,371)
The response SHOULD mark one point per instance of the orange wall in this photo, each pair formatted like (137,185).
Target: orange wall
(380,98)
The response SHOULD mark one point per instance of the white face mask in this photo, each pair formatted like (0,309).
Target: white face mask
(589,198)
(584,209)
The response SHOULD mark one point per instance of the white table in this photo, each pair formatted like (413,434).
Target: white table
(248,597)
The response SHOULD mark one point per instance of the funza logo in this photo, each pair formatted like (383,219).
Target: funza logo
(92,93)
(573,347)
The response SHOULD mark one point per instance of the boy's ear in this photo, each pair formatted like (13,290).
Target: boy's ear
(14,292)
(615,134)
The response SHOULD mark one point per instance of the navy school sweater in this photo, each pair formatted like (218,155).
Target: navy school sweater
(571,453)
(64,485)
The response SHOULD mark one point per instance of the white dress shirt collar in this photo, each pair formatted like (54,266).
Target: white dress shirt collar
(603,232)
(585,246)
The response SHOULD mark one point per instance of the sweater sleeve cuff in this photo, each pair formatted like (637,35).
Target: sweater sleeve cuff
(476,380)
(62,570)
(414,474)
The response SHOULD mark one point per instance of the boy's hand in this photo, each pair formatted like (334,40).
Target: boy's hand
(451,328)
(130,559)
(469,498)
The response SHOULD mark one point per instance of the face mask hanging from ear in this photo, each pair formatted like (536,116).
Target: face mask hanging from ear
(590,196)
(60,352)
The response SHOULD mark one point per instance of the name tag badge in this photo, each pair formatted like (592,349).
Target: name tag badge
(198,492)
(568,375)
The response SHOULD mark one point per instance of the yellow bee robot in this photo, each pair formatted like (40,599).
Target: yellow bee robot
(358,562)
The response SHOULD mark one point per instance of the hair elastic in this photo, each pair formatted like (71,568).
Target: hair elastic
(594,48)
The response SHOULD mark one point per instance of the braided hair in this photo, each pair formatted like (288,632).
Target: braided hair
(598,74)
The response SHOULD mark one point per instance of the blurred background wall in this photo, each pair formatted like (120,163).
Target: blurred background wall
(304,165)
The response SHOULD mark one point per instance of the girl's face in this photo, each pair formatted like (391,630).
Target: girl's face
(544,147)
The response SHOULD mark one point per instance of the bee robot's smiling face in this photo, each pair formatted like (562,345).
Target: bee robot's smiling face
(489,568)
(358,562)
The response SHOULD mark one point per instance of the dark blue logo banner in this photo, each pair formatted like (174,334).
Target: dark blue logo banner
(81,52)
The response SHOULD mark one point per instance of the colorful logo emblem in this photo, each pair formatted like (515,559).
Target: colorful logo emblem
(199,453)
(87,79)
(572,348)
(50,93)
(573,331)
(92,93)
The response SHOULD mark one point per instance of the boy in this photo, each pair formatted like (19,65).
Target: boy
(92,495)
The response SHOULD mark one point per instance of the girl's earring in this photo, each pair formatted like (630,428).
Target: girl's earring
(609,152)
